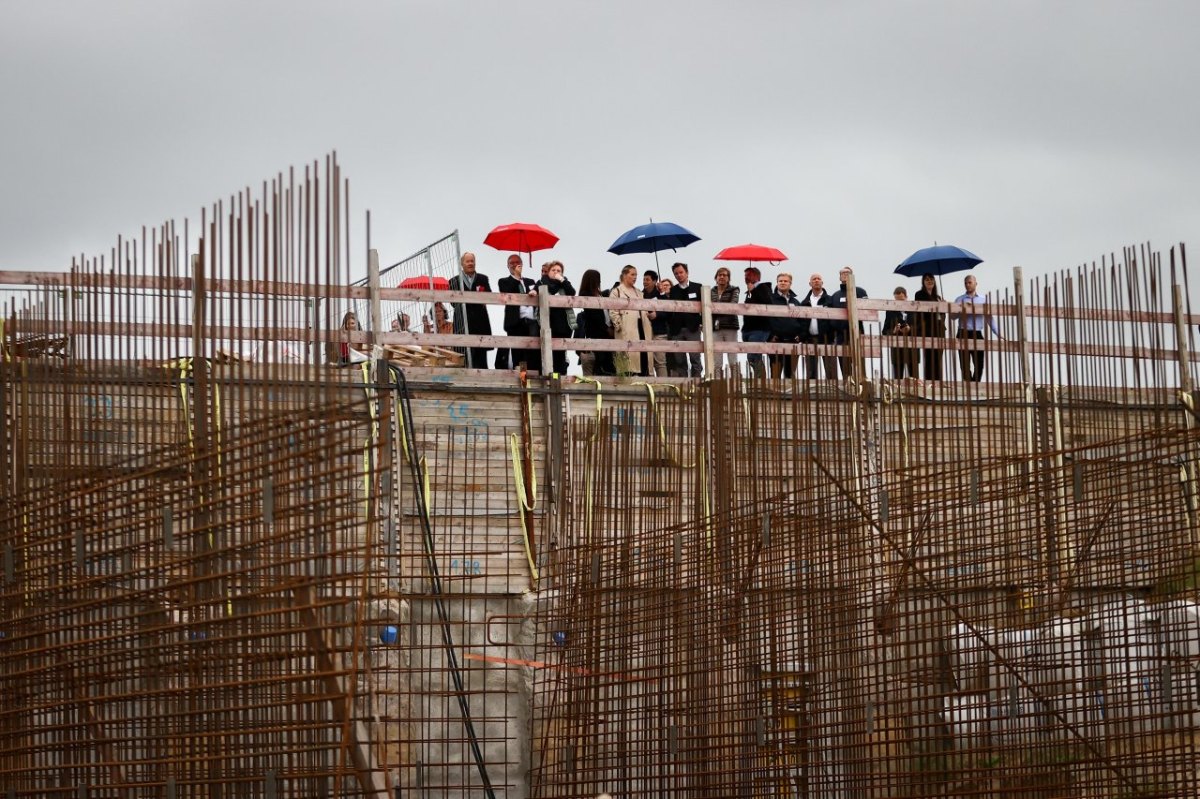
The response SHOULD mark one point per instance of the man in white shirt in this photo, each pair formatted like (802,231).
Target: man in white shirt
(971,327)
(519,320)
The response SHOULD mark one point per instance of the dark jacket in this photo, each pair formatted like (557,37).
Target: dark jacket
(759,295)
(684,321)
(899,323)
(929,324)
(823,329)
(559,326)
(785,328)
(477,321)
(592,323)
(513,325)
(658,325)
(725,321)
(838,300)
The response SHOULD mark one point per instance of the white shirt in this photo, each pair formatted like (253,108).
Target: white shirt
(813,298)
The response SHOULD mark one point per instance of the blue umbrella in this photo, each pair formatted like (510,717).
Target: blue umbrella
(938,260)
(652,238)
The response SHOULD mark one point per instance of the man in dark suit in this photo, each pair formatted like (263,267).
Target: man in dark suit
(472,318)
(684,326)
(817,331)
(756,329)
(839,328)
(519,320)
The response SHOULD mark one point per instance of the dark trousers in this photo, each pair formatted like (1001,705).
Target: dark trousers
(842,338)
(531,358)
(783,365)
(685,364)
(755,359)
(932,366)
(971,361)
(904,362)
(560,362)
(829,361)
(477,357)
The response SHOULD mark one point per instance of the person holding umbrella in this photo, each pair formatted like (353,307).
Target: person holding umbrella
(931,263)
(756,329)
(930,325)
(519,320)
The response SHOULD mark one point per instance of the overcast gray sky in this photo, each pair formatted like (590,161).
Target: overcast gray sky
(1035,133)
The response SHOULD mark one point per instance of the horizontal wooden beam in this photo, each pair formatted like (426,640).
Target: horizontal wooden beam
(869,309)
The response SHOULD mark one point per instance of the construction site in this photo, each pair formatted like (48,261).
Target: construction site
(232,568)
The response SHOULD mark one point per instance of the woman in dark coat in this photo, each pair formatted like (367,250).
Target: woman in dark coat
(555,283)
(593,324)
(931,325)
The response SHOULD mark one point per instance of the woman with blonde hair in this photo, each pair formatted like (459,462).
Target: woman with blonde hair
(628,325)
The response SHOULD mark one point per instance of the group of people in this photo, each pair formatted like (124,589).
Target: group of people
(635,325)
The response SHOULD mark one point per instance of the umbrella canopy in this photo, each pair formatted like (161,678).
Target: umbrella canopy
(425,282)
(939,260)
(652,238)
(750,252)
(521,237)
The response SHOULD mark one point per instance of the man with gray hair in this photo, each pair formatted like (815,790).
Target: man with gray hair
(471,318)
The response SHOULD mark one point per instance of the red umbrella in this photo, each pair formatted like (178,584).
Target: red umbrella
(425,282)
(750,252)
(521,237)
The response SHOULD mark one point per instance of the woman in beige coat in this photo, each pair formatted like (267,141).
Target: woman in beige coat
(628,325)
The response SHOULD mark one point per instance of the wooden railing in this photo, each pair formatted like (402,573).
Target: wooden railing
(1015,315)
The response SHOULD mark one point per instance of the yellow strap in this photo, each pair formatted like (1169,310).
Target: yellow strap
(662,432)
(523,506)
(184,365)
(599,402)
(3,343)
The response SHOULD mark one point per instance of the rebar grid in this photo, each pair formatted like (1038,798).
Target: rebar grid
(1008,622)
(232,569)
